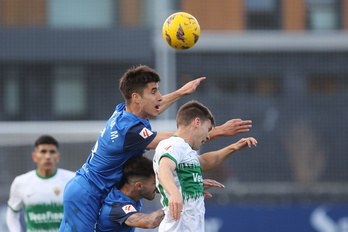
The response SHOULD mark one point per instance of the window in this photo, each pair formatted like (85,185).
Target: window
(81,13)
(322,14)
(69,95)
(11,92)
(262,15)
(323,84)
(263,85)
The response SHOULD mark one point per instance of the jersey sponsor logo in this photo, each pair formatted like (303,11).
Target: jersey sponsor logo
(128,209)
(45,217)
(145,133)
(197,177)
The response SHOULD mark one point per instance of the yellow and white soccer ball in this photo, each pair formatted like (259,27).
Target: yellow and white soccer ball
(181,31)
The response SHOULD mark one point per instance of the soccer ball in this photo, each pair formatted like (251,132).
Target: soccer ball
(181,31)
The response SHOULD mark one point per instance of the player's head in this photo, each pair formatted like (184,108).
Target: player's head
(198,118)
(136,79)
(138,172)
(46,154)
(46,139)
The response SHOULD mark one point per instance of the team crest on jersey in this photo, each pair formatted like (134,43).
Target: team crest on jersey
(145,133)
(56,191)
(128,209)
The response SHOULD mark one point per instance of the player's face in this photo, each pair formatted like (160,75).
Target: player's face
(148,189)
(150,101)
(202,134)
(46,156)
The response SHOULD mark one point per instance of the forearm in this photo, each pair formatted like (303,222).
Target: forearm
(166,179)
(211,160)
(159,137)
(146,221)
(13,221)
(230,128)
(188,88)
(215,133)
(169,99)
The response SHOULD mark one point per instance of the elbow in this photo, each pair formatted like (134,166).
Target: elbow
(151,225)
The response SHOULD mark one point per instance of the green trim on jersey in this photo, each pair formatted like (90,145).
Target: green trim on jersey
(170,157)
(165,200)
(16,211)
(189,175)
(42,177)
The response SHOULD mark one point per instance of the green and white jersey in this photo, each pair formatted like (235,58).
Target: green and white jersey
(41,198)
(188,178)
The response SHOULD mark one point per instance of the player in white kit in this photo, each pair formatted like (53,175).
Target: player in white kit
(178,168)
(39,192)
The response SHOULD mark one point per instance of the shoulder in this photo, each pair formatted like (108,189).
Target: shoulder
(66,173)
(27,175)
(25,178)
(173,142)
(115,195)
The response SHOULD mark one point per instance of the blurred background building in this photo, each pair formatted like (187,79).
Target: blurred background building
(281,63)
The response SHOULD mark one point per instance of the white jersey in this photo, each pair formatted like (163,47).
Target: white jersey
(188,178)
(41,198)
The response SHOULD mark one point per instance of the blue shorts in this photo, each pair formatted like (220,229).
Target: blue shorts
(82,203)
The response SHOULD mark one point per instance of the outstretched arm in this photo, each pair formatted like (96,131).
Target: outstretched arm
(159,137)
(144,220)
(187,89)
(230,128)
(213,159)
(208,183)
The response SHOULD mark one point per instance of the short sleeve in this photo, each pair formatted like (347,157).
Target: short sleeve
(138,137)
(121,211)
(15,201)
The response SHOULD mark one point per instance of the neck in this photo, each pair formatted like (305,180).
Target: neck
(46,173)
(186,134)
(130,192)
(135,109)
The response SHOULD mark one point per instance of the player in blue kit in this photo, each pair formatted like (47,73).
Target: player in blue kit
(127,134)
(121,210)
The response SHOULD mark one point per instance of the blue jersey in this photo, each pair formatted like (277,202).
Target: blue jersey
(116,209)
(124,136)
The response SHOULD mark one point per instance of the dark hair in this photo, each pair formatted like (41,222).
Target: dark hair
(46,139)
(138,167)
(191,110)
(136,79)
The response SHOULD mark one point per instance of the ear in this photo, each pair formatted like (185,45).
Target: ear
(196,122)
(136,98)
(137,185)
(33,156)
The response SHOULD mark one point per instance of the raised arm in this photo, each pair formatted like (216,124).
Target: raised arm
(208,183)
(211,160)
(230,128)
(145,220)
(159,137)
(187,89)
